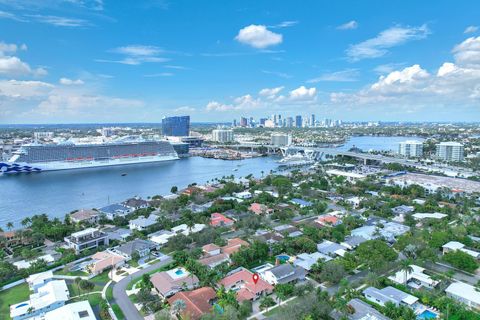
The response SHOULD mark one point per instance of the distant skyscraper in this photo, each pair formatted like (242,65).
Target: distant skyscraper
(312,120)
(222,135)
(289,123)
(450,151)
(176,126)
(262,121)
(234,123)
(298,121)
(411,149)
(243,122)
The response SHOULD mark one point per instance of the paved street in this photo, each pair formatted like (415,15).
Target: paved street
(120,296)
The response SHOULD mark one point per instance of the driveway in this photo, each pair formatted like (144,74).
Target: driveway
(120,295)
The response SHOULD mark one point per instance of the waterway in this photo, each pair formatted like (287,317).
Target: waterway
(59,192)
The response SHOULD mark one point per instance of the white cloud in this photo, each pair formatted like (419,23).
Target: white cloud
(70,82)
(217,106)
(302,93)
(137,54)
(285,24)
(24,89)
(13,66)
(468,52)
(270,93)
(9,48)
(348,26)
(11,16)
(277,74)
(387,68)
(185,109)
(471,29)
(348,75)
(389,38)
(160,74)
(258,36)
(60,21)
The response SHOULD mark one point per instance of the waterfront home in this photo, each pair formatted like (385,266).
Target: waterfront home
(307,260)
(167,283)
(219,220)
(48,297)
(115,210)
(455,245)
(215,255)
(105,260)
(142,223)
(90,238)
(389,294)
(241,281)
(416,278)
(301,203)
(135,203)
(359,310)
(464,293)
(139,246)
(85,216)
(80,310)
(197,302)
(331,249)
(284,273)
(38,280)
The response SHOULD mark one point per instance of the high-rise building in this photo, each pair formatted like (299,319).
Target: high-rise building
(222,135)
(411,149)
(234,123)
(312,120)
(269,123)
(262,121)
(289,122)
(281,139)
(176,126)
(298,121)
(450,151)
(243,122)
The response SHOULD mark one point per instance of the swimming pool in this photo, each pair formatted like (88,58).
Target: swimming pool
(283,257)
(179,272)
(427,314)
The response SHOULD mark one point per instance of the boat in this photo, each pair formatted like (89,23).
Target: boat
(70,155)
(295,160)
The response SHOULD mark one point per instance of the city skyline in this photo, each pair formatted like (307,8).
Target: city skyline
(88,61)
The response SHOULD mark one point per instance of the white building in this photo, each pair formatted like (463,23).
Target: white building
(450,151)
(416,278)
(411,149)
(349,176)
(281,139)
(86,239)
(142,223)
(222,135)
(455,245)
(51,296)
(465,294)
(47,135)
(37,280)
(73,311)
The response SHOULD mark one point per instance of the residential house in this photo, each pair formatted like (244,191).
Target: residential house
(244,195)
(167,283)
(284,273)
(80,310)
(38,280)
(241,281)
(90,238)
(259,208)
(48,297)
(139,246)
(85,216)
(215,255)
(268,236)
(389,294)
(219,220)
(142,223)
(331,249)
(288,230)
(434,215)
(354,201)
(25,264)
(349,176)
(360,310)
(161,237)
(135,203)
(351,242)
(388,230)
(197,302)
(415,278)
(307,260)
(403,210)
(105,260)
(455,245)
(118,234)
(327,220)
(115,210)
(301,203)
(464,293)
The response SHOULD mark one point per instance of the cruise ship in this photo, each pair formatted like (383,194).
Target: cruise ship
(70,155)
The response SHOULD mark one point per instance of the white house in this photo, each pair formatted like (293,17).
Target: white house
(415,278)
(243,195)
(465,294)
(73,311)
(455,245)
(38,280)
(142,223)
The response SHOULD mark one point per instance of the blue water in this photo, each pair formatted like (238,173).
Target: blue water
(59,192)
(179,272)
(427,314)
(283,257)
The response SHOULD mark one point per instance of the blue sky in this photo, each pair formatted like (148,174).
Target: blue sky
(137,61)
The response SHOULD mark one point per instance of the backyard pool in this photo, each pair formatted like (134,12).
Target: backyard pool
(283,258)
(179,272)
(427,314)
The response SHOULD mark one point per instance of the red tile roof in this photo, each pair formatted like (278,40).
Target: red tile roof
(248,289)
(218,219)
(197,302)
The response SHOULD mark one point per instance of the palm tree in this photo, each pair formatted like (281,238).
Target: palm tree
(26,221)
(77,282)
(372,279)
(178,306)
(406,267)
(9,225)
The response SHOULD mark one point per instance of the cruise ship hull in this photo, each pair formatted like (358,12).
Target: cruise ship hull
(22,167)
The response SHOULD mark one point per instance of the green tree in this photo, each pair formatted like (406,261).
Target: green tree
(406,267)
(461,260)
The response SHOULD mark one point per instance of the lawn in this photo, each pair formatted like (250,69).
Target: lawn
(109,293)
(278,309)
(67,272)
(169,266)
(12,296)
(101,278)
(118,312)
(94,299)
